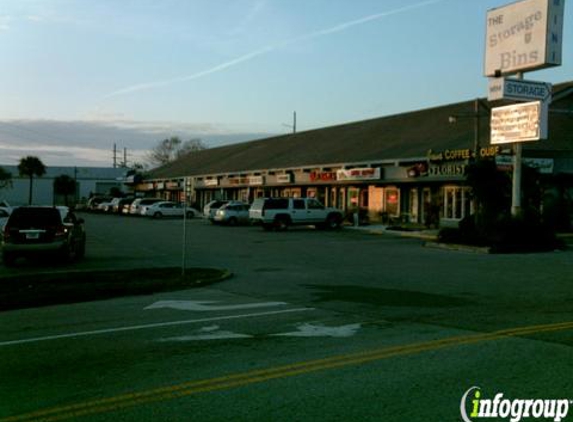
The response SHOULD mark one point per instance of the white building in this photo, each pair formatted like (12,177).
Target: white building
(89,180)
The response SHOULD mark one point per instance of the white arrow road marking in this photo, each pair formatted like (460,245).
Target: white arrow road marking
(310,330)
(206,306)
(208,333)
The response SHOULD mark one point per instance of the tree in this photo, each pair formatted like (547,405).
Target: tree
(173,148)
(64,185)
(5,179)
(31,166)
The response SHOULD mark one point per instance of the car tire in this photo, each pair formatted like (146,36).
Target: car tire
(190,214)
(333,222)
(281,223)
(66,254)
(232,221)
(267,227)
(9,259)
(157,215)
(81,250)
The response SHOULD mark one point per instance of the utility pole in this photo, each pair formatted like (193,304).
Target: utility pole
(114,155)
(294,122)
(293,126)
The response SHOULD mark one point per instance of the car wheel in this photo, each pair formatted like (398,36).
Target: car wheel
(333,222)
(66,253)
(9,259)
(232,221)
(157,215)
(190,214)
(281,223)
(81,250)
(267,227)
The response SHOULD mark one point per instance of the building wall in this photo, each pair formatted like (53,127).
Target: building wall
(90,180)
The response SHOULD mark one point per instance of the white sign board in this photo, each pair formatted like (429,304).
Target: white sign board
(518,90)
(359,174)
(524,36)
(519,123)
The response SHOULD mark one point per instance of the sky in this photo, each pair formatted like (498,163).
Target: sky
(79,76)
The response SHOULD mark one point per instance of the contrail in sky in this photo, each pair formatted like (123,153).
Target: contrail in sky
(247,57)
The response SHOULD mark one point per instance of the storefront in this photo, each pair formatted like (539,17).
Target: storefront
(415,173)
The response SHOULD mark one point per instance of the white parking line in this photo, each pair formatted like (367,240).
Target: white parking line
(148,326)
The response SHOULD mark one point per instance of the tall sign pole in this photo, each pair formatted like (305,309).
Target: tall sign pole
(184,246)
(516,182)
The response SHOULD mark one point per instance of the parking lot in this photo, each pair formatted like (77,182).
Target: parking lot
(371,327)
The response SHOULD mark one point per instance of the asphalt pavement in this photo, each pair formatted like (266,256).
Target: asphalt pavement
(314,325)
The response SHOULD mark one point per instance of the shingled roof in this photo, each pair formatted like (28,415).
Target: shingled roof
(402,136)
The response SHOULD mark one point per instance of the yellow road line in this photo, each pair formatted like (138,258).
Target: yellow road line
(262,375)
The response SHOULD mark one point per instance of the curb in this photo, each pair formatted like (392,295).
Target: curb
(458,247)
(227,274)
(64,288)
(411,234)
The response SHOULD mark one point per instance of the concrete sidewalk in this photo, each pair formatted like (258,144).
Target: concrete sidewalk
(428,234)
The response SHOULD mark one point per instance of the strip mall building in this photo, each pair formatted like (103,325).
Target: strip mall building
(409,166)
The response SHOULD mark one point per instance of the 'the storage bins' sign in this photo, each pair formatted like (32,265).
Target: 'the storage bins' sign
(522,36)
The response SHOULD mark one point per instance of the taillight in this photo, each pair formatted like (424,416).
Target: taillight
(61,231)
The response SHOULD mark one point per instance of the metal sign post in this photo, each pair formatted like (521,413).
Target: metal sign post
(184,246)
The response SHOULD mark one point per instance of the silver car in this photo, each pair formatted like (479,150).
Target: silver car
(232,214)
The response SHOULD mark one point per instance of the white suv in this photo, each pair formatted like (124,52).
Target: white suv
(280,213)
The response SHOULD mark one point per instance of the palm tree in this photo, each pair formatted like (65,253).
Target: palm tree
(31,166)
(64,185)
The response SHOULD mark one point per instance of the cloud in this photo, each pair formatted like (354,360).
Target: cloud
(215,69)
(263,51)
(93,140)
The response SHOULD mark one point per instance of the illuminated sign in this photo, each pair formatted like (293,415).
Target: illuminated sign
(284,178)
(255,180)
(522,36)
(322,176)
(519,123)
(211,182)
(359,174)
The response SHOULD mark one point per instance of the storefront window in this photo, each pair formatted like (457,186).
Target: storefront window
(392,203)
(457,204)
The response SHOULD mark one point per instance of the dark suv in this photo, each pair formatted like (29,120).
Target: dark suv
(43,230)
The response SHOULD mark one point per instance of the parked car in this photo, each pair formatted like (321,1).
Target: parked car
(167,209)
(105,206)
(123,203)
(136,206)
(37,230)
(211,207)
(280,213)
(232,214)
(93,203)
